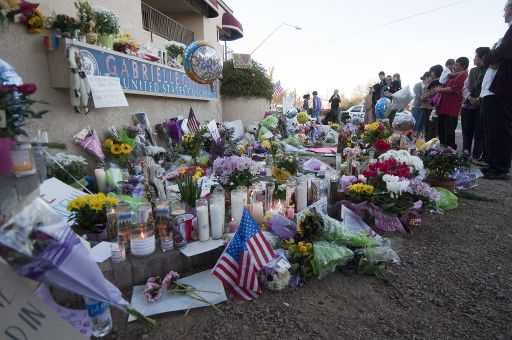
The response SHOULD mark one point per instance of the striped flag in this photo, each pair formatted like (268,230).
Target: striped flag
(244,256)
(278,90)
(192,123)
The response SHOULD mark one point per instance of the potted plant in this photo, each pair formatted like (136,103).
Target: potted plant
(86,18)
(72,166)
(65,25)
(89,214)
(234,171)
(107,27)
(441,163)
(190,187)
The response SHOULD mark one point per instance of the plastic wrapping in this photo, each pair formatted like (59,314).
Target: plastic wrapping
(464,180)
(336,231)
(404,121)
(383,254)
(314,165)
(401,99)
(327,256)
(448,200)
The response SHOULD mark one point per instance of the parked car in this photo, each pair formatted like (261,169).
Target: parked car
(354,111)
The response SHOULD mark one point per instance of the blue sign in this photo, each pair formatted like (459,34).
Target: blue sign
(143,77)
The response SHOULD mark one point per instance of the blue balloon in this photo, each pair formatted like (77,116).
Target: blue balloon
(292,113)
(382,108)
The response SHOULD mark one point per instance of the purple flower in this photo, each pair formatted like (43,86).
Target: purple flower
(169,280)
(420,188)
(347,181)
(153,289)
(224,167)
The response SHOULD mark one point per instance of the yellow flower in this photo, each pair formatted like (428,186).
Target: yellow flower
(373,126)
(116,149)
(108,142)
(125,148)
(241,149)
(303,249)
(361,188)
(181,171)
(280,174)
(300,244)
(265,144)
(309,246)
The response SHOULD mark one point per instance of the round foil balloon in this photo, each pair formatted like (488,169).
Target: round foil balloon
(202,63)
(382,108)
(404,121)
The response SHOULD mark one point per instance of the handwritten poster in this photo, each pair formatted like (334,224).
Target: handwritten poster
(58,194)
(26,317)
(212,127)
(107,92)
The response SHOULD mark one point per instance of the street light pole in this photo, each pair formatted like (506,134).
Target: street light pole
(274,31)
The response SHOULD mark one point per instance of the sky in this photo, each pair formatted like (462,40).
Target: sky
(408,47)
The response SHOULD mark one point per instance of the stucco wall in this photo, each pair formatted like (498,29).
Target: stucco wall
(247,109)
(26,53)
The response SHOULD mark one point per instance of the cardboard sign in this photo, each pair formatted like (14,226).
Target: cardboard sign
(58,194)
(212,127)
(287,104)
(107,92)
(24,316)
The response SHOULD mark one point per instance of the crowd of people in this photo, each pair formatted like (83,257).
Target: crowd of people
(481,98)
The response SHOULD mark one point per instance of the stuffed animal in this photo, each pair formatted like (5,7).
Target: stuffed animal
(78,85)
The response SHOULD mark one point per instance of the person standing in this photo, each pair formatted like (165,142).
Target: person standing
(335,103)
(451,103)
(427,105)
(305,104)
(419,125)
(497,100)
(470,113)
(317,106)
(384,92)
(376,92)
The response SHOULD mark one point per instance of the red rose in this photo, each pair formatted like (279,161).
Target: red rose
(27,88)
(361,127)
(382,146)
(381,127)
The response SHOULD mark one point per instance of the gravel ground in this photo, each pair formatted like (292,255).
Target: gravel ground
(455,281)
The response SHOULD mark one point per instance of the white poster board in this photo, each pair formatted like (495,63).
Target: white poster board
(212,127)
(287,104)
(58,194)
(107,91)
(238,126)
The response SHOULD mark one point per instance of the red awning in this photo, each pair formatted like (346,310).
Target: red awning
(232,27)
(211,10)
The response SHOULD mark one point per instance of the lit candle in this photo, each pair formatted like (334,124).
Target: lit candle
(233,226)
(166,242)
(101,179)
(112,224)
(143,242)
(202,219)
(290,212)
(279,206)
(117,252)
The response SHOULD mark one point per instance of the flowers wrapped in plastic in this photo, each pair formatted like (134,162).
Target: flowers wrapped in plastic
(88,139)
(328,256)
(40,245)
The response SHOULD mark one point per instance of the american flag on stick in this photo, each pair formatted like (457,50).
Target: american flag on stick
(278,90)
(192,123)
(247,252)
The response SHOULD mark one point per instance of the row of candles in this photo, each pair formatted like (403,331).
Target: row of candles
(174,227)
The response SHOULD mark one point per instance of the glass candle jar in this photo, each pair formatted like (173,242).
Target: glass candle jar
(203,224)
(111,224)
(237,204)
(179,233)
(118,252)
(217,214)
(124,223)
(23,162)
(301,195)
(291,185)
(142,239)
(144,213)
(269,195)
(177,206)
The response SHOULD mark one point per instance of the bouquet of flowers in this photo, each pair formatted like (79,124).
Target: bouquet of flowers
(300,255)
(372,132)
(381,146)
(424,192)
(359,192)
(190,188)
(192,143)
(16,103)
(441,162)
(89,141)
(414,163)
(119,147)
(90,210)
(175,49)
(72,165)
(347,137)
(38,244)
(380,168)
(6,7)
(234,171)
(284,168)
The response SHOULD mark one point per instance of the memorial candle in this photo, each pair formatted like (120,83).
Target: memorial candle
(101,179)
(203,224)
(142,240)
(301,195)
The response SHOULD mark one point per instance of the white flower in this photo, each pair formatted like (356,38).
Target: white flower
(154,150)
(362,178)
(394,185)
(66,159)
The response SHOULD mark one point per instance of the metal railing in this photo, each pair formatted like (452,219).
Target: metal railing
(160,24)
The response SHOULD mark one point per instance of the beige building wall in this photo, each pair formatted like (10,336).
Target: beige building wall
(246,109)
(27,54)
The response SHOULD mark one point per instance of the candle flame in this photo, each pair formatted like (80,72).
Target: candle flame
(141,235)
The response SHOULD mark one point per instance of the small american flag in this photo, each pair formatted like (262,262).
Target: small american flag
(278,90)
(192,123)
(244,256)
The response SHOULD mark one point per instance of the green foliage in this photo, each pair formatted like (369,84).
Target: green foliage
(107,22)
(442,162)
(65,23)
(190,190)
(392,205)
(85,16)
(253,82)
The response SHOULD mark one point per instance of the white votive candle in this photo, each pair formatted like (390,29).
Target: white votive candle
(202,220)
(101,179)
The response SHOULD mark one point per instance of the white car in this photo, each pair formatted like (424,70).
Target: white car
(355,111)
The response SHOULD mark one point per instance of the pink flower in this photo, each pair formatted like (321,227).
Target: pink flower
(27,88)
(153,289)
(169,280)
